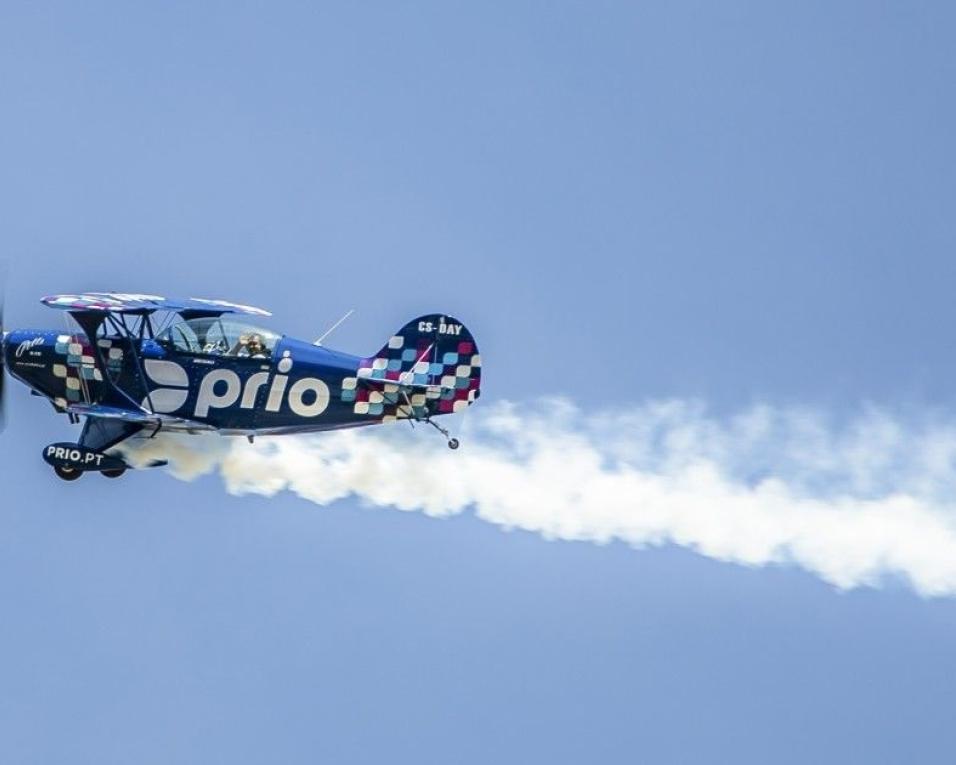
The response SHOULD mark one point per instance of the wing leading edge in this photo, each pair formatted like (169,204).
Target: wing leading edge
(120,302)
(143,418)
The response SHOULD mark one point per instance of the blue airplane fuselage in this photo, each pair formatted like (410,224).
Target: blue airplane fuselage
(298,387)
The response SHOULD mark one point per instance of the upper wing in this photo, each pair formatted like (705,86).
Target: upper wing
(120,302)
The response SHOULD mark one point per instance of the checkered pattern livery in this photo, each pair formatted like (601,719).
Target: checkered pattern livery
(446,370)
(79,369)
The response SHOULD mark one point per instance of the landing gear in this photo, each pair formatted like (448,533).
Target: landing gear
(72,474)
(453,443)
(67,473)
(70,461)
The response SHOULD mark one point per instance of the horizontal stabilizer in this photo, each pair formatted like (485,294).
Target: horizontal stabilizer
(430,366)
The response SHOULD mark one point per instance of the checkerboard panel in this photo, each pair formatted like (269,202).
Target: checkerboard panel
(445,369)
(79,369)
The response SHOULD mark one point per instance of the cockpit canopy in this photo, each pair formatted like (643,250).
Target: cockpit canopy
(219,336)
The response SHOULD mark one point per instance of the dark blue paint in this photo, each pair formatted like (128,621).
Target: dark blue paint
(296,389)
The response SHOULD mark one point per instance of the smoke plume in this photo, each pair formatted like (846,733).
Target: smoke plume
(855,502)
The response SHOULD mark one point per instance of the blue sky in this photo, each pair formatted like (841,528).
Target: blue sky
(730,203)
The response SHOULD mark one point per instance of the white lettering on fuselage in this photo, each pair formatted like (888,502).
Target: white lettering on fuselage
(209,399)
(319,390)
(28,345)
(223,388)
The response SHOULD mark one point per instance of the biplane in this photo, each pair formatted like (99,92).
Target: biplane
(139,365)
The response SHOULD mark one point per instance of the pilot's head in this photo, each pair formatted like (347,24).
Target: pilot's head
(255,344)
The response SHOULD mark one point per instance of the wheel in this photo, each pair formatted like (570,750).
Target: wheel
(67,473)
(453,443)
(113,473)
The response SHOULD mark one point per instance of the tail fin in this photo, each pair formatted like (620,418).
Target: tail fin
(434,351)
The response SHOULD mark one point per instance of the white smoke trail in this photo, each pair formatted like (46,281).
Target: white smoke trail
(853,503)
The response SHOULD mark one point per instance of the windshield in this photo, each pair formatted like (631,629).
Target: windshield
(216,336)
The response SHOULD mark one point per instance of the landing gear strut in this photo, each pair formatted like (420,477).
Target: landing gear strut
(453,443)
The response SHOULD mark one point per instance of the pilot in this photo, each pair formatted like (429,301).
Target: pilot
(256,347)
(251,346)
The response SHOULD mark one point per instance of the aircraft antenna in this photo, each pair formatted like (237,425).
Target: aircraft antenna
(334,327)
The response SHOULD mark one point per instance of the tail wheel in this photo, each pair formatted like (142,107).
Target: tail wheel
(113,473)
(67,473)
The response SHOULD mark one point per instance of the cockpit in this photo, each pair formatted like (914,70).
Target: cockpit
(219,336)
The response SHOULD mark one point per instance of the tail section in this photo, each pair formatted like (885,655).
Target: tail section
(430,366)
